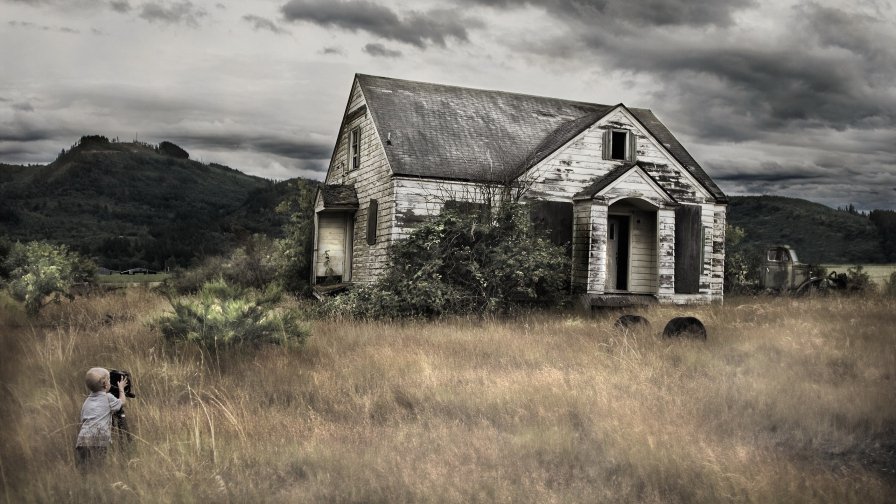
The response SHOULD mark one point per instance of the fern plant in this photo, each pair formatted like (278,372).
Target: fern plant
(223,316)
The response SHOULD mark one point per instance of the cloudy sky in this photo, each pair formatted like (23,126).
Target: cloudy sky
(771,97)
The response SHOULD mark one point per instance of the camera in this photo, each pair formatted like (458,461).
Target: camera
(114,376)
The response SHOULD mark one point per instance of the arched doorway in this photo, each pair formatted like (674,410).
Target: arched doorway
(632,245)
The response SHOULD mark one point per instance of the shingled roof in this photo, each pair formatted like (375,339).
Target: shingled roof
(439,131)
(339,196)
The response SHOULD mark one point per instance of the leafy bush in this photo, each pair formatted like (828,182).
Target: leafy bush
(460,264)
(222,316)
(38,270)
(741,260)
(294,249)
(256,264)
(858,281)
(889,288)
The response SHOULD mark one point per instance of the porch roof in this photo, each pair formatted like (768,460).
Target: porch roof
(339,197)
(602,183)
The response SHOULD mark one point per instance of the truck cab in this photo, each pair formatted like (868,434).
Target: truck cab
(781,270)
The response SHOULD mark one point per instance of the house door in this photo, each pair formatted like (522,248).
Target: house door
(617,252)
(333,248)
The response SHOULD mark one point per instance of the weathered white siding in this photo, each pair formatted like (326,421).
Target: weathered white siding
(717,256)
(418,199)
(581,244)
(597,256)
(579,163)
(666,257)
(372,180)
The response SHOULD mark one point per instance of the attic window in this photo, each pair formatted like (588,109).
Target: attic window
(355,149)
(619,145)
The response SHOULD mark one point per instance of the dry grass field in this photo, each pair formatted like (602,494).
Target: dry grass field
(790,400)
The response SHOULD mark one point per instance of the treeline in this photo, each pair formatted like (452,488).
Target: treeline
(885,222)
(819,234)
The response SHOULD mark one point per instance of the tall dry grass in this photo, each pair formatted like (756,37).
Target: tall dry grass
(788,401)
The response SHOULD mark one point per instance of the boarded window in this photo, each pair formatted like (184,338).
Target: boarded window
(555,218)
(355,149)
(372,214)
(688,249)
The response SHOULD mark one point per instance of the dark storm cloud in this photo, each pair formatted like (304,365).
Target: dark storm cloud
(184,12)
(641,13)
(333,50)
(269,144)
(23,107)
(120,6)
(262,23)
(828,69)
(34,26)
(771,171)
(379,50)
(415,28)
(869,182)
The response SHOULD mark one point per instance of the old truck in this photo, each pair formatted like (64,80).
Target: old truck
(781,271)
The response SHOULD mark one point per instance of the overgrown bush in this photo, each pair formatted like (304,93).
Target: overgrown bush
(741,261)
(256,264)
(294,249)
(222,316)
(858,281)
(40,272)
(889,288)
(463,264)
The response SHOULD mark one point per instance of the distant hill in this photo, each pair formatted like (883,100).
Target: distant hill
(136,204)
(819,234)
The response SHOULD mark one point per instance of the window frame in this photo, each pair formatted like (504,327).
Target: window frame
(628,145)
(354,148)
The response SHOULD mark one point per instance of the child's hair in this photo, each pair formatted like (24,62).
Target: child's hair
(95,379)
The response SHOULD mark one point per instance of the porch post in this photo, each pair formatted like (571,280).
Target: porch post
(665,217)
(314,234)
(597,252)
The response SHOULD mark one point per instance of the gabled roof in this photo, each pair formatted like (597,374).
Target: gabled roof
(615,174)
(439,131)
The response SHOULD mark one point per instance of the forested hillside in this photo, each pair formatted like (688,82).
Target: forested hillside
(820,234)
(135,204)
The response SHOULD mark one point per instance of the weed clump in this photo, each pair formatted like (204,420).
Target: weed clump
(222,315)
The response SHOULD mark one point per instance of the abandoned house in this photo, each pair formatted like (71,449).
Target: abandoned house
(642,220)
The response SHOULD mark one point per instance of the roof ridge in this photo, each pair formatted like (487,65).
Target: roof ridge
(485,90)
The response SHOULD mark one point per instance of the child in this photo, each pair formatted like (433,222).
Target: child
(96,417)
